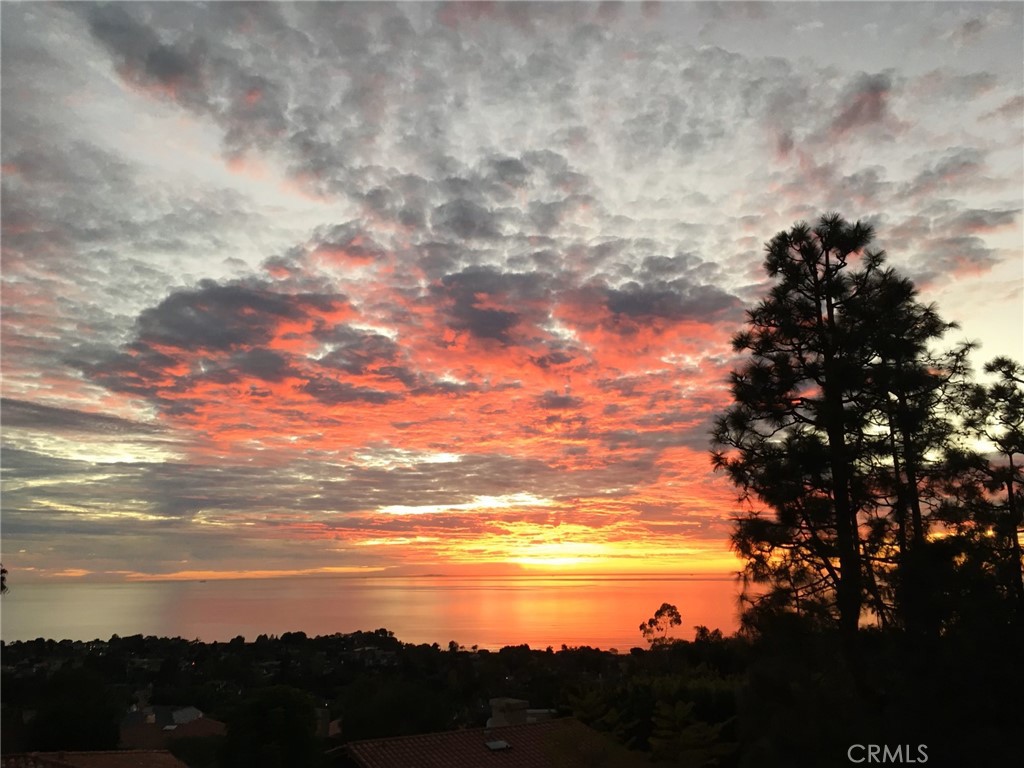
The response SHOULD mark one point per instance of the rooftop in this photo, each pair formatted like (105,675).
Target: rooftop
(563,743)
(135,758)
(136,734)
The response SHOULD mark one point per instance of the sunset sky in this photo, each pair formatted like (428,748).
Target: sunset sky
(449,288)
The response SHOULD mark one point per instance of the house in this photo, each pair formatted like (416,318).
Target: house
(157,726)
(558,743)
(506,711)
(136,758)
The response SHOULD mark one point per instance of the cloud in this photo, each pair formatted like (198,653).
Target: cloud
(356,351)
(490,269)
(670,301)
(334,392)
(1012,108)
(864,103)
(958,167)
(23,414)
(147,61)
(980,221)
(953,257)
(346,245)
(490,304)
(554,401)
(943,84)
(466,220)
(220,317)
(967,32)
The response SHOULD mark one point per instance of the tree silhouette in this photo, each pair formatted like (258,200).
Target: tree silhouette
(834,425)
(655,629)
(909,403)
(3,580)
(995,414)
(77,710)
(273,727)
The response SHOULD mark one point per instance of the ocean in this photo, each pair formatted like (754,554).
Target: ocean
(490,612)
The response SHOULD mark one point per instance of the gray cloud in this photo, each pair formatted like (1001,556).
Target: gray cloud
(957,167)
(555,401)
(952,257)
(1012,108)
(470,290)
(262,364)
(217,317)
(671,301)
(863,103)
(466,220)
(20,413)
(334,392)
(357,351)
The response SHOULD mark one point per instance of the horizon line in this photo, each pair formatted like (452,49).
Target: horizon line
(264,576)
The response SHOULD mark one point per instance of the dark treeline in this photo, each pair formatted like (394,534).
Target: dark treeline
(677,700)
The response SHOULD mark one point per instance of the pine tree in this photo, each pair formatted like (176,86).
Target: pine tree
(995,414)
(833,429)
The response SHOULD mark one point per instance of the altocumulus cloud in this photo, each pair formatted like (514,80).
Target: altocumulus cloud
(318,285)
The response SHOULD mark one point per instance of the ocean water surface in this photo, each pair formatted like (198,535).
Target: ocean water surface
(599,611)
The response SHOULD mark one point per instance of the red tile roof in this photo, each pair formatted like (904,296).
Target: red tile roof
(153,736)
(565,743)
(136,758)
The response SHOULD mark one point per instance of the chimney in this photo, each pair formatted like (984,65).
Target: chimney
(505,711)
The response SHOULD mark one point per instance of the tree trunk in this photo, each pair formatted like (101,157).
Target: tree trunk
(1015,521)
(910,467)
(848,594)
(849,588)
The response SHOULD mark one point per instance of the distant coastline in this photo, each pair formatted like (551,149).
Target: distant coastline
(490,611)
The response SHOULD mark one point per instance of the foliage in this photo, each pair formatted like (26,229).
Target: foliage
(875,474)
(655,629)
(393,705)
(783,695)
(685,741)
(273,727)
(995,414)
(76,710)
(846,443)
